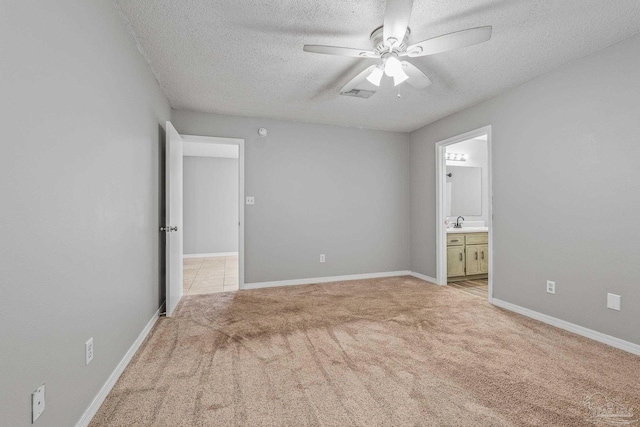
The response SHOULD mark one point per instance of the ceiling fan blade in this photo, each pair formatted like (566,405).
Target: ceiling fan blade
(417,78)
(449,41)
(341,51)
(361,77)
(396,20)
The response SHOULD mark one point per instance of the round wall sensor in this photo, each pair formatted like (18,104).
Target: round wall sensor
(262,132)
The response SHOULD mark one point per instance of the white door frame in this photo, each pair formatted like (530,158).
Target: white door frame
(441,232)
(240,143)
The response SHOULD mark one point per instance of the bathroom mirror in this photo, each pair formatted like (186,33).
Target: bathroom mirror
(464,191)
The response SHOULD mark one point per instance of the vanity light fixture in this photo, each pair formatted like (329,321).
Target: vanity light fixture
(456,157)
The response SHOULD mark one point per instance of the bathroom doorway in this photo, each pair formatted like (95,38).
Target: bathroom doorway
(464,229)
(211,215)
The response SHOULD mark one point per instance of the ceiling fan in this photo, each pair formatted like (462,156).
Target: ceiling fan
(390,42)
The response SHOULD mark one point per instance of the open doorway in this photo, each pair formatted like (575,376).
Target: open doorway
(464,231)
(211,215)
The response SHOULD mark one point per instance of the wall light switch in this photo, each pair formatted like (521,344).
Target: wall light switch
(613,302)
(37,403)
(322,258)
(251,200)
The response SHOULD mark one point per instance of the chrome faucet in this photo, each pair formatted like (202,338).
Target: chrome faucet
(458,224)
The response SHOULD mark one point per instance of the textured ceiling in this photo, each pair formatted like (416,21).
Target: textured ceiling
(244,57)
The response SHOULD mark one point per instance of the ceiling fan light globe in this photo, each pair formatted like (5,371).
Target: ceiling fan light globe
(375,76)
(399,78)
(392,67)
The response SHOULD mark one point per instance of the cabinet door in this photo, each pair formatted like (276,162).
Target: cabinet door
(484,258)
(455,261)
(473,259)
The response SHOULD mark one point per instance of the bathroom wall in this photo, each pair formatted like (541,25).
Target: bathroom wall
(477,156)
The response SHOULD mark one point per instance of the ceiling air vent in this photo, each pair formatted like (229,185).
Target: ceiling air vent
(358,93)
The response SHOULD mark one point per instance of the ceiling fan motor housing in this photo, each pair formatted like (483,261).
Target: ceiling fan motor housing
(378,41)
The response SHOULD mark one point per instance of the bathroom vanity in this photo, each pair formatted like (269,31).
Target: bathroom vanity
(467,253)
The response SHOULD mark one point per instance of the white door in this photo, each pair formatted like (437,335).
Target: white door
(173,227)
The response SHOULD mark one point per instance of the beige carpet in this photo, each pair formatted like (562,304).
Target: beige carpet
(384,352)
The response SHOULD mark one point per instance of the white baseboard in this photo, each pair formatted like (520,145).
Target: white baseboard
(571,327)
(111,381)
(209,255)
(313,280)
(423,277)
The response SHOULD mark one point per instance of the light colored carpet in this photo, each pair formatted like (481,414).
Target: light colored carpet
(384,352)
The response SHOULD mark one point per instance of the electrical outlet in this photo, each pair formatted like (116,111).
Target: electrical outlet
(88,351)
(551,287)
(37,403)
(613,301)
(251,200)
(322,258)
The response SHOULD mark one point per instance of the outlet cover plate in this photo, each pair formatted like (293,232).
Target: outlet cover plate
(37,403)
(251,200)
(88,351)
(551,287)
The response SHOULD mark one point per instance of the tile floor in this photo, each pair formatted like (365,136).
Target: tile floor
(210,275)
(479,287)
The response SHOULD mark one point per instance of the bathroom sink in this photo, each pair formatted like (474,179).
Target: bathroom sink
(468,230)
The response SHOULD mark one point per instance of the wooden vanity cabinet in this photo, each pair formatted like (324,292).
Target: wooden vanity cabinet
(473,260)
(484,259)
(455,261)
(467,255)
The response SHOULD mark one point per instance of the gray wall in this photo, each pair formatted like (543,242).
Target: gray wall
(318,189)
(79,187)
(210,210)
(566,190)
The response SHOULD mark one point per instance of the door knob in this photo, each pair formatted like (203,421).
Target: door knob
(169,228)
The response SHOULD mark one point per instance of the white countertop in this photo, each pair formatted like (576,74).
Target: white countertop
(467,230)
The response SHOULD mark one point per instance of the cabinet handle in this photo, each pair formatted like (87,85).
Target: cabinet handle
(460,256)
(482,254)
(476,254)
